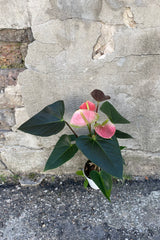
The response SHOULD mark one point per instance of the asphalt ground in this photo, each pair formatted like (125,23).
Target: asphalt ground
(64,210)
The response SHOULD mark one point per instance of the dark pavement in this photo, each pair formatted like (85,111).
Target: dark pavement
(64,210)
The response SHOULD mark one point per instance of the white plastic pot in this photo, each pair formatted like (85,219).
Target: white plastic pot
(91,182)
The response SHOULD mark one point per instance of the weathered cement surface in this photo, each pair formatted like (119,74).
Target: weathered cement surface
(79,46)
(65,210)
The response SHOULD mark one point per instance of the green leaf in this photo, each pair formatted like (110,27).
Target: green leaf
(112,113)
(80,173)
(47,122)
(103,152)
(120,134)
(104,181)
(85,184)
(62,152)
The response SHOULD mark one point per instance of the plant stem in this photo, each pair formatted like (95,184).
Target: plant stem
(97,107)
(71,129)
(96,112)
(89,128)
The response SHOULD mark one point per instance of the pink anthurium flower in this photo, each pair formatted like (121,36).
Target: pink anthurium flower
(106,130)
(88,105)
(83,117)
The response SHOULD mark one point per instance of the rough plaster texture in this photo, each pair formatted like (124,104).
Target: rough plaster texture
(79,46)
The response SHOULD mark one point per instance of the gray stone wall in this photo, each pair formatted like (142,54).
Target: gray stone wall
(80,45)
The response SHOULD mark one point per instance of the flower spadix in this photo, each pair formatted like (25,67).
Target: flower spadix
(83,117)
(106,130)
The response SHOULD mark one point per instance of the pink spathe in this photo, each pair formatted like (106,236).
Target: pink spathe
(88,105)
(105,131)
(82,117)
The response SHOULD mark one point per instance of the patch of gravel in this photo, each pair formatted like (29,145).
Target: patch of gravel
(64,210)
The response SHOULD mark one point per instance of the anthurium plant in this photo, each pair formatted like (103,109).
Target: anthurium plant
(99,145)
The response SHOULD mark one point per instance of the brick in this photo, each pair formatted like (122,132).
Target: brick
(11,97)
(8,77)
(12,55)
(16,35)
(13,50)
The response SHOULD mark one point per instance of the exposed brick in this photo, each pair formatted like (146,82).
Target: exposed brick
(7,119)
(16,35)
(13,50)
(12,55)
(11,97)
(8,77)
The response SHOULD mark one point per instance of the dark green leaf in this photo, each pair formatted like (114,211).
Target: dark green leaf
(104,181)
(72,137)
(112,113)
(62,152)
(103,152)
(122,147)
(47,122)
(120,134)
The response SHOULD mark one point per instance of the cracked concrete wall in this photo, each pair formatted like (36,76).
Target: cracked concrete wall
(81,45)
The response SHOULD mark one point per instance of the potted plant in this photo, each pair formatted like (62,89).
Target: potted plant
(99,145)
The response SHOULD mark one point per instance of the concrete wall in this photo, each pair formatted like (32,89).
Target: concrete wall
(80,45)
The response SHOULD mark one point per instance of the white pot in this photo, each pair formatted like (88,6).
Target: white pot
(91,182)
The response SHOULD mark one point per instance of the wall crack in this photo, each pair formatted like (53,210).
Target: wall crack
(6,168)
